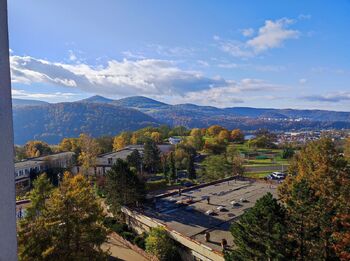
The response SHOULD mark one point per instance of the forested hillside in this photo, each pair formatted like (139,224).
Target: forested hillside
(53,122)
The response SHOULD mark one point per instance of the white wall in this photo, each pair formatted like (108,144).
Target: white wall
(8,242)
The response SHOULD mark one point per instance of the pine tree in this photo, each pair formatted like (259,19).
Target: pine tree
(134,160)
(191,171)
(123,187)
(172,167)
(260,233)
(151,156)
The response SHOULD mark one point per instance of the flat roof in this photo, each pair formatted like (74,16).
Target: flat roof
(34,161)
(192,220)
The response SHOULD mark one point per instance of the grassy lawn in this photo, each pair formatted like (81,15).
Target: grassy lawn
(257,175)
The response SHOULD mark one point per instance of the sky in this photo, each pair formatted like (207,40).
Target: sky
(267,54)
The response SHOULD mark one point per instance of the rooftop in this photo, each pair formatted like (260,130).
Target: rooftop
(188,213)
(33,161)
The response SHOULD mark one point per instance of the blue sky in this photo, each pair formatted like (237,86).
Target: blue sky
(281,54)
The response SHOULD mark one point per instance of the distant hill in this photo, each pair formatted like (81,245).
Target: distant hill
(23,102)
(52,122)
(142,103)
(98,115)
(97,99)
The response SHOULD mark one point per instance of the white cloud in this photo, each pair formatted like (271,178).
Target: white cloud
(22,94)
(248,32)
(271,35)
(302,81)
(148,77)
(231,94)
(72,56)
(334,97)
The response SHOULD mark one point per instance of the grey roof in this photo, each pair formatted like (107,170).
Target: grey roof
(36,161)
(191,219)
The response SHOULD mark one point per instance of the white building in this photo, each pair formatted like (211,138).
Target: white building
(40,164)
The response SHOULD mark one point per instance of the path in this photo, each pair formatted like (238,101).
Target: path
(122,252)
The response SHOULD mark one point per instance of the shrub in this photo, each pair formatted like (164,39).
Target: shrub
(139,240)
(155,185)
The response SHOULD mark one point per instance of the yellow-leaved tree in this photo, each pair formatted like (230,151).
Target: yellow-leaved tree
(64,223)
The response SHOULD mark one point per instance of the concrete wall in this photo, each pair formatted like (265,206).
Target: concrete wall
(8,242)
(190,249)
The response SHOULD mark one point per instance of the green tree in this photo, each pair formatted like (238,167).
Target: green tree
(191,171)
(260,233)
(151,156)
(172,167)
(216,167)
(134,160)
(287,153)
(123,187)
(105,144)
(159,244)
(42,189)
(68,227)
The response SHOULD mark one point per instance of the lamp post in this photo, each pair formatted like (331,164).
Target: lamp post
(8,239)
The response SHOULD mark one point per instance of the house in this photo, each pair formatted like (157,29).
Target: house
(174,140)
(104,162)
(24,168)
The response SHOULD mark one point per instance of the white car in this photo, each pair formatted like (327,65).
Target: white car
(278,175)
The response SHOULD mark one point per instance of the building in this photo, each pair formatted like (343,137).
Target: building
(104,162)
(189,216)
(40,164)
(174,140)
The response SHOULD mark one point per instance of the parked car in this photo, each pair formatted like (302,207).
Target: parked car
(277,176)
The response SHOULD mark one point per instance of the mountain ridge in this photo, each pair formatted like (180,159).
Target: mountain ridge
(98,115)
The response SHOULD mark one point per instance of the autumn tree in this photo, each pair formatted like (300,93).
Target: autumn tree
(196,139)
(213,131)
(237,136)
(65,224)
(314,195)
(224,136)
(121,141)
(214,147)
(261,232)
(347,149)
(159,244)
(37,148)
(70,144)
(123,187)
(156,137)
(89,152)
